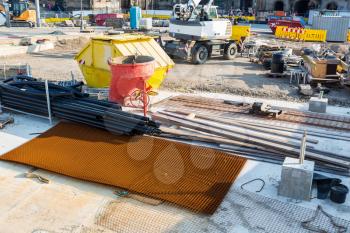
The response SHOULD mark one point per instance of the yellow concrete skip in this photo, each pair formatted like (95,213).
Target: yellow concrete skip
(290,33)
(315,35)
(93,58)
(239,32)
(301,34)
(280,32)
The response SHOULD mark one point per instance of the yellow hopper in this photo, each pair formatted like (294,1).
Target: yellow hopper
(93,58)
(240,33)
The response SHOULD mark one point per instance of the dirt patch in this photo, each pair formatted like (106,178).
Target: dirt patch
(71,44)
(191,87)
(51,65)
(243,78)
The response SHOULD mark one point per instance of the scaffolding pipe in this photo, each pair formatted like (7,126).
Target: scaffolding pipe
(37,8)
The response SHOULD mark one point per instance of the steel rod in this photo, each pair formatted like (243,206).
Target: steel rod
(26,95)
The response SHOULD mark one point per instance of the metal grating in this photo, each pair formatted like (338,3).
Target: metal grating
(241,211)
(193,177)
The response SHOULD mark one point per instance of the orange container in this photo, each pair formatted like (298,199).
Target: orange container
(129,73)
(280,13)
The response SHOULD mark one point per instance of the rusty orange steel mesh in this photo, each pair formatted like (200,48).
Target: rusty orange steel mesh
(193,177)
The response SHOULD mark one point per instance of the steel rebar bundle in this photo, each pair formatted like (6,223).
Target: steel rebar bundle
(28,95)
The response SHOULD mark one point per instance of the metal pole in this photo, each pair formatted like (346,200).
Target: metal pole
(145,101)
(48,100)
(81,15)
(320,96)
(29,70)
(37,8)
(8,18)
(72,75)
(302,149)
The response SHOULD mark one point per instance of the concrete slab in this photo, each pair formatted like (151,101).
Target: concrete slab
(12,50)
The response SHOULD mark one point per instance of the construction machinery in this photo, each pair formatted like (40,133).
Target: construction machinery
(17,13)
(199,33)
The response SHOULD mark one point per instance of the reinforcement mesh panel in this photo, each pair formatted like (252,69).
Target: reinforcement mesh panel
(193,177)
(241,211)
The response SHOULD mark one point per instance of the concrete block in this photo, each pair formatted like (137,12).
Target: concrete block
(318,105)
(35,48)
(296,179)
(306,90)
(26,41)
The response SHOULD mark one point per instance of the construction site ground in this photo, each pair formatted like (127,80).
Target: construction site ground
(68,205)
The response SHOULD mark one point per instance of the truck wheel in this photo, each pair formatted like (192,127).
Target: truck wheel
(200,55)
(230,51)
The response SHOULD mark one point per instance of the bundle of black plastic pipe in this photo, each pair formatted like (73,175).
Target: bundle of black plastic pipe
(29,95)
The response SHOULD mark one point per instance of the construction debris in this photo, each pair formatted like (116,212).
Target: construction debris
(38,177)
(305,89)
(265,110)
(213,125)
(4,120)
(219,107)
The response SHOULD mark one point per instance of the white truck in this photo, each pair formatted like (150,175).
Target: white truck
(199,33)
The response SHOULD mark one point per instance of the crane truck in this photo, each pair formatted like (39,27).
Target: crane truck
(199,33)
(17,13)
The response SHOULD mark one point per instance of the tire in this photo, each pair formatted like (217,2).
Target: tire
(200,54)
(230,51)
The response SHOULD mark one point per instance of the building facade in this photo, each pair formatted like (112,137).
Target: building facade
(71,5)
(155,4)
(292,6)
